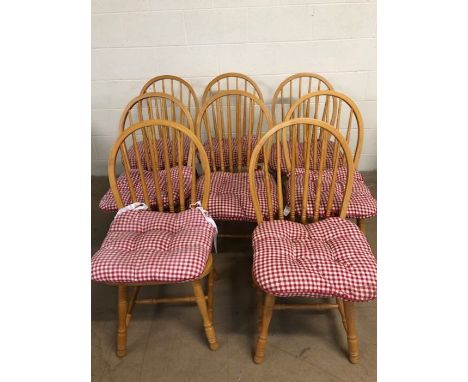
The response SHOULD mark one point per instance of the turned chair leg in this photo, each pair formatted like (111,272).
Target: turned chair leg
(353,345)
(259,293)
(339,302)
(266,318)
(131,303)
(362,225)
(122,321)
(207,324)
(210,289)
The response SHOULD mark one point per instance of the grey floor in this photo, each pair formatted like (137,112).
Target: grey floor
(167,343)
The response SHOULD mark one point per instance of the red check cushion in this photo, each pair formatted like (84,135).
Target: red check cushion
(230,197)
(301,156)
(172,150)
(330,258)
(107,202)
(225,143)
(148,246)
(362,204)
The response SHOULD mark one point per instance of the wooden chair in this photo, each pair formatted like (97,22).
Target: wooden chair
(341,112)
(231,81)
(293,88)
(229,124)
(328,258)
(155,247)
(176,87)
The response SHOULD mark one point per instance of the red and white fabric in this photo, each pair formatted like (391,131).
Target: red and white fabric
(148,246)
(362,204)
(107,202)
(300,162)
(172,150)
(330,258)
(230,197)
(216,152)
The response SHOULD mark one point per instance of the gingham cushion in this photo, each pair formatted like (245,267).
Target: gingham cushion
(330,258)
(225,142)
(107,202)
(362,204)
(160,154)
(301,154)
(148,246)
(230,197)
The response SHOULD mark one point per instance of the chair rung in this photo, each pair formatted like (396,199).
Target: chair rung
(167,300)
(314,306)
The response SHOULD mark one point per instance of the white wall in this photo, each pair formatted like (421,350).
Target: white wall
(199,39)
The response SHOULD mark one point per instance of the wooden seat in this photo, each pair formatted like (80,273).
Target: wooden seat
(293,88)
(149,247)
(231,81)
(297,254)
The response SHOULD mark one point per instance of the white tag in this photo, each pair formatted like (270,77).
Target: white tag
(132,207)
(286,211)
(210,220)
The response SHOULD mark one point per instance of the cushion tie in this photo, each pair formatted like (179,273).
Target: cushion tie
(209,219)
(132,207)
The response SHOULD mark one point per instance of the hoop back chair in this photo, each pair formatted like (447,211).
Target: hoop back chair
(231,81)
(299,254)
(342,113)
(149,247)
(292,89)
(176,87)
(230,123)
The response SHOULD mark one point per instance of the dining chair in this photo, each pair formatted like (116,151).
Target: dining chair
(176,87)
(318,256)
(229,125)
(154,247)
(150,106)
(342,113)
(293,88)
(231,81)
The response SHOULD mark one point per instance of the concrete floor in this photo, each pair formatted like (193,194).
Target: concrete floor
(167,342)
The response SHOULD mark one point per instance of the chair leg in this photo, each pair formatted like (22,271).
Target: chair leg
(339,301)
(259,293)
(353,345)
(215,274)
(261,341)
(122,321)
(207,324)
(362,225)
(210,290)
(131,303)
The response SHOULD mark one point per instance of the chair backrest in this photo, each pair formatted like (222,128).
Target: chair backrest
(337,109)
(230,123)
(145,186)
(293,88)
(176,87)
(231,81)
(309,193)
(155,106)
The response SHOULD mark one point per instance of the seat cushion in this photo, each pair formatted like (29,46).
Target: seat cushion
(362,204)
(230,197)
(145,158)
(330,258)
(107,202)
(301,155)
(225,150)
(148,246)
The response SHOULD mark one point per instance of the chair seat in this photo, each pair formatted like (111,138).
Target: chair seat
(146,161)
(230,197)
(107,202)
(361,205)
(215,149)
(300,157)
(148,246)
(330,258)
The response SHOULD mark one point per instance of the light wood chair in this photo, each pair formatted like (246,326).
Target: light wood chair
(301,254)
(176,87)
(341,112)
(293,88)
(229,125)
(112,265)
(231,81)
